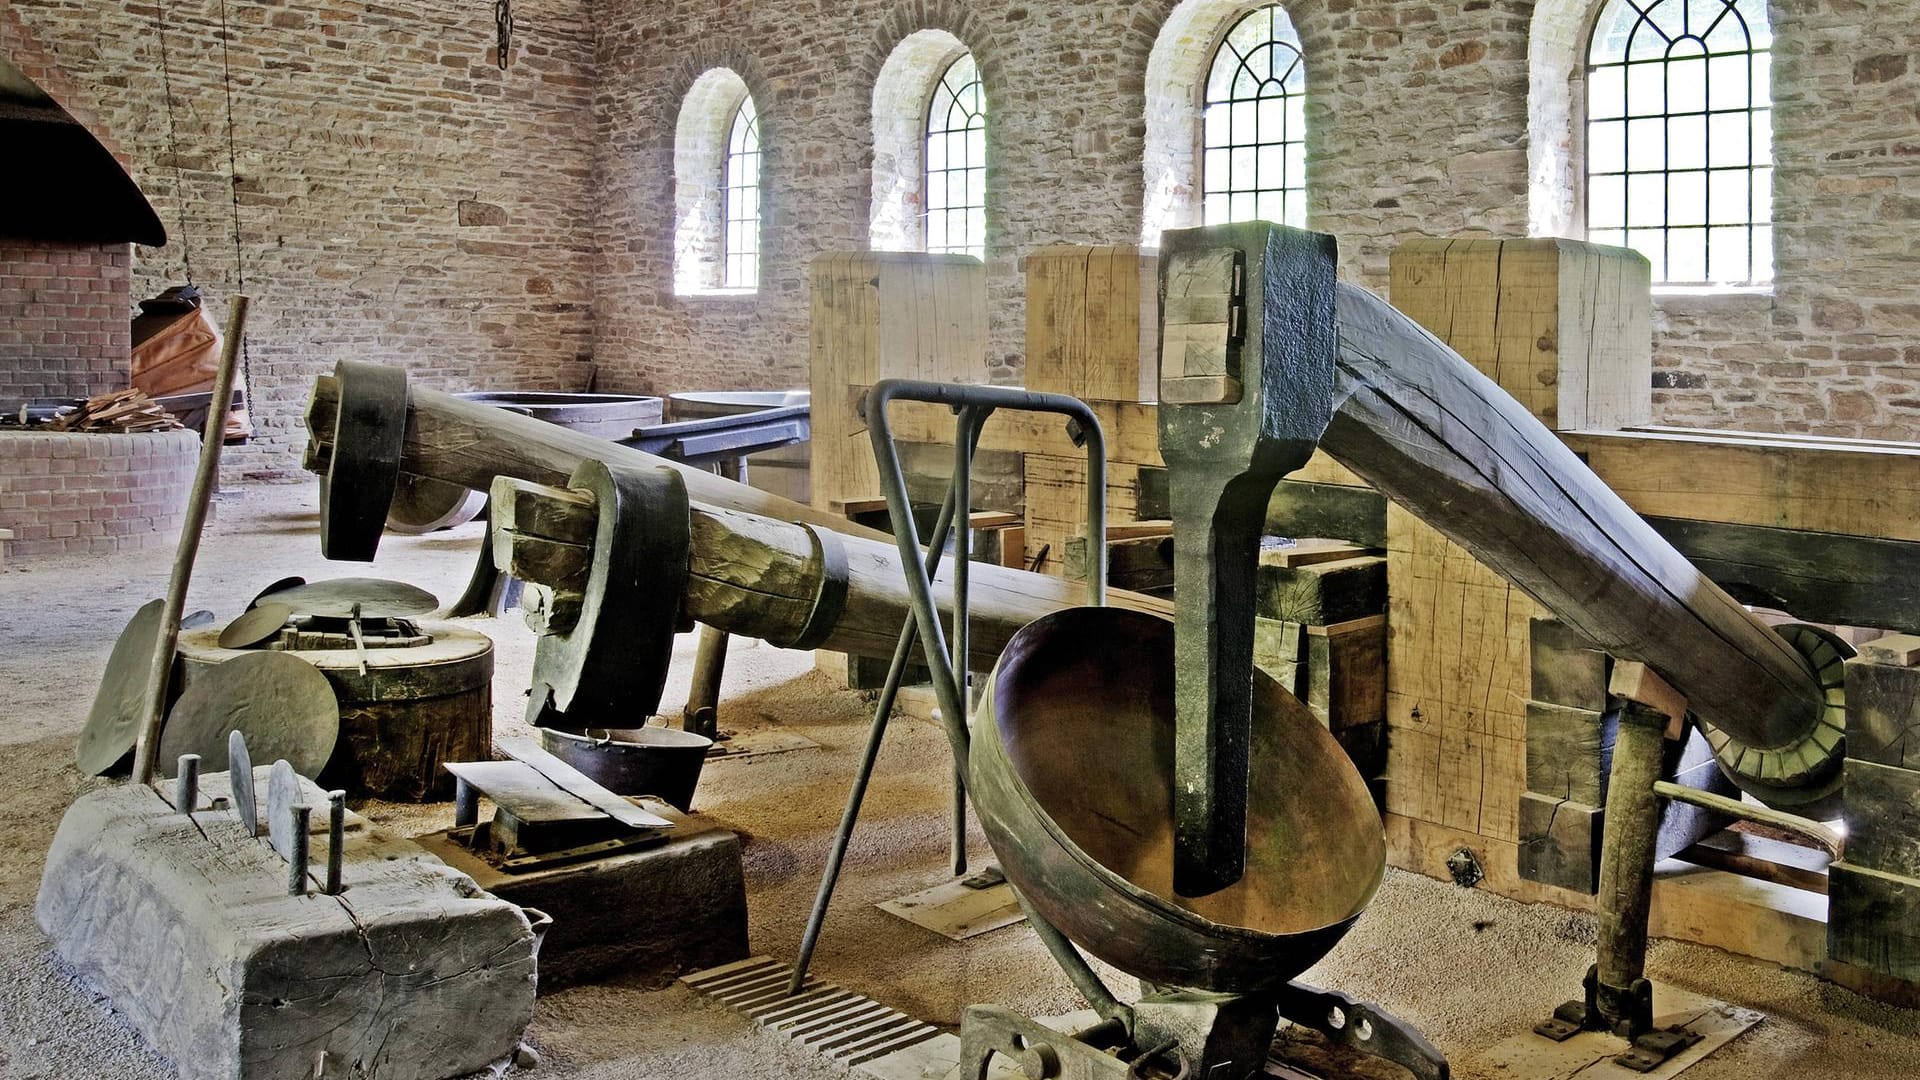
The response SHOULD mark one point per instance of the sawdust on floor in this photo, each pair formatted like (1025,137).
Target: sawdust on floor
(1466,967)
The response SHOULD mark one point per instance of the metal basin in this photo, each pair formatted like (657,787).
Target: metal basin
(662,762)
(604,416)
(1072,775)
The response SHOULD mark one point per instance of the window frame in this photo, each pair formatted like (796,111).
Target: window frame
(977,250)
(1579,114)
(728,187)
(1211,58)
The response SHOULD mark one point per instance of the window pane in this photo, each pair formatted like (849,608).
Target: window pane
(1687,142)
(1606,93)
(1607,146)
(1646,90)
(1651,243)
(1727,82)
(1727,139)
(1763,196)
(1687,255)
(955,188)
(1646,200)
(1731,258)
(1687,85)
(1727,192)
(1607,202)
(1762,253)
(1646,145)
(1687,199)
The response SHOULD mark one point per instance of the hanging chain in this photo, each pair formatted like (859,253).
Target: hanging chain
(503,32)
(233,185)
(173,146)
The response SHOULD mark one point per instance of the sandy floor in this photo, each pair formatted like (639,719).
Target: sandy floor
(1468,968)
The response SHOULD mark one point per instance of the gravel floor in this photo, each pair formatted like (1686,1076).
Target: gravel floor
(1468,968)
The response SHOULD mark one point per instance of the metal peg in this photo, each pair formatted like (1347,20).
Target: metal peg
(297,857)
(466,804)
(336,839)
(186,784)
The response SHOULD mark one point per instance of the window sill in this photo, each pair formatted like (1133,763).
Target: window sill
(703,295)
(1707,300)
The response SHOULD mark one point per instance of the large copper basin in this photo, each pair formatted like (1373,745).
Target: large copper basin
(1072,775)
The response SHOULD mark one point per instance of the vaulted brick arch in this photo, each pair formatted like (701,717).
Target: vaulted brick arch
(709,83)
(1556,39)
(911,48)
(21,48)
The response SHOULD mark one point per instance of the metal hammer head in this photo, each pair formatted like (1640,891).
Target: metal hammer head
(1247,352)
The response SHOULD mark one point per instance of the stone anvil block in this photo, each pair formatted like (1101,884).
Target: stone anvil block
(188,927)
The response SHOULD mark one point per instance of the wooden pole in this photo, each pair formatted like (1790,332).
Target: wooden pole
(1438,437)
(205,480)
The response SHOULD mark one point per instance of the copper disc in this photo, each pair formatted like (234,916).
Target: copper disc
(283,705)
(378,598)
(113,724)
(255,625)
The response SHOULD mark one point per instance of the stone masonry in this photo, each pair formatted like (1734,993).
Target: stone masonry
(402,199)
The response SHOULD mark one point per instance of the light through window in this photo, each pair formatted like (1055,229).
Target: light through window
(1255,124)
(743,199)
(956,190)
(1680,138)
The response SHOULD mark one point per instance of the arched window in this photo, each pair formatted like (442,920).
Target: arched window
(1254,164)
(1679,147)
(743,198)
(956,188)
(716,187)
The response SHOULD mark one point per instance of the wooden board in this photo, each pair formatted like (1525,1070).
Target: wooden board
(1562,325)
(957,910)
(1589,1055)
(1093,322)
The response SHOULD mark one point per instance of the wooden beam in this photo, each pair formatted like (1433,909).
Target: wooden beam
(1816,576)
(1439,438)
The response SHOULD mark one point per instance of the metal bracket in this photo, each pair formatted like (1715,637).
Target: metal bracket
(1649,1047)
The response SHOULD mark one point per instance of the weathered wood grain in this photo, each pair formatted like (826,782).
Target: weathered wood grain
(1440,438)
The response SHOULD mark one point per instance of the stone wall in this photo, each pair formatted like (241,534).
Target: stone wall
(401,199)
(1419,125)
(64,329)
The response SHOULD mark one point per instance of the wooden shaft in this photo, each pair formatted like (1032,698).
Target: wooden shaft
(1627,855)
(755,576)
(1438,437)
(467,443)
(205,480)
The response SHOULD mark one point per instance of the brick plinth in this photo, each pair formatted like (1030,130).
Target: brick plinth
(74,493)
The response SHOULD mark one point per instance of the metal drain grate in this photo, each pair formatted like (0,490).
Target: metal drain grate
(844,1026)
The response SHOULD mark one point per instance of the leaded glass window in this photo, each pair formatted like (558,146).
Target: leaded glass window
(1254,163)
(1680,137)
(957,162)
(743,198)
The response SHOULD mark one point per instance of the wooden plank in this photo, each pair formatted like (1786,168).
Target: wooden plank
(1883,818)
(1895,650)
(958,910)
(1560,842)
(1854,487)
(1569,752)
(1817,576)
(1874,920)
(1565,668)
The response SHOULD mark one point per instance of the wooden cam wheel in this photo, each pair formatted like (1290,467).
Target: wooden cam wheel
(357,486)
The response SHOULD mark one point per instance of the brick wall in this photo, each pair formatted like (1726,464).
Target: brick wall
(64,330)
(74,493)
(401,199)
(1419,125)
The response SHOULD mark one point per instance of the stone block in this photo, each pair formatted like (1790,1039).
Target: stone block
(1883,713)
(1873,920)
(1560,842)
(649,915)
(186,926)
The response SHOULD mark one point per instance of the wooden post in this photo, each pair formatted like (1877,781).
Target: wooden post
(205,480)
